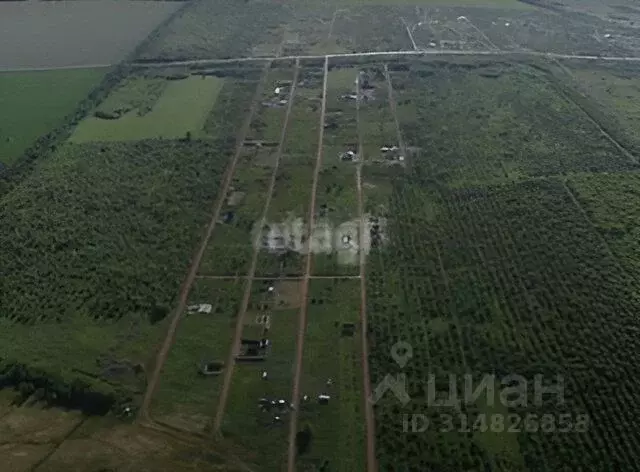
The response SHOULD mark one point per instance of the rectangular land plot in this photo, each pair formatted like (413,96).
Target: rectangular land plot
(193,374)
(254,423)
(284,233)
(511,278)
(232,246)
(332,366)
(487,121)
(33,103)
(377,125)
(230,249)
(176,109)
(266,126)
(336,232)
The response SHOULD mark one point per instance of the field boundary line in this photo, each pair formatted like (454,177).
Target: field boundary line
(293,423)
(228,373)
(372,465)
(162,354)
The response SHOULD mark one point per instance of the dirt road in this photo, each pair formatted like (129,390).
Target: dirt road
(422,52)
(228,373)
(372,465)
(161,357)
(293,424)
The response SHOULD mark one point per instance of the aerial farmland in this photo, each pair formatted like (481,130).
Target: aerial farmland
(364,236)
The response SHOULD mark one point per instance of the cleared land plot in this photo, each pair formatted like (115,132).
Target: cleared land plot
(187,394)
(59,34)
(263,428)
(483,121)
(332,366)
(33,103)
(507,279)
(212,29)
(377,124)
(181,108)
(230,250)
(95,244)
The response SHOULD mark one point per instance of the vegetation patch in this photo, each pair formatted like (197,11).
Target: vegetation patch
(525,285)
(179,112)
(95,245)
(514,124)
(33,103)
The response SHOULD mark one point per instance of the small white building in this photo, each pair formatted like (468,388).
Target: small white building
(201,308)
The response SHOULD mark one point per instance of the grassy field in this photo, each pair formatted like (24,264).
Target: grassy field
(185,398)
(156,110)
(243,421)
(36,34)
(35,102)
(332,366)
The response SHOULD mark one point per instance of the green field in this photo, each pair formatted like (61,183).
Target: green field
(337,429)
(185,398)
(182,107)
(33,103)
(243,421)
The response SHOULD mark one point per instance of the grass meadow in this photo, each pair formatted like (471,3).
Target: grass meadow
(182,107)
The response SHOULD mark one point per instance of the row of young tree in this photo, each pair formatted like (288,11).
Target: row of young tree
(506,279)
